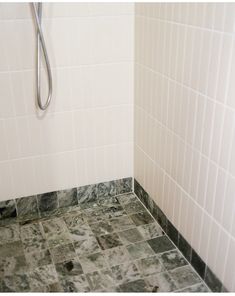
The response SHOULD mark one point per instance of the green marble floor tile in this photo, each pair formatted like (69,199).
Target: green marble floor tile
(140,250)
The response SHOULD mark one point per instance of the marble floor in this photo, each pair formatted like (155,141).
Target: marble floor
(113,245)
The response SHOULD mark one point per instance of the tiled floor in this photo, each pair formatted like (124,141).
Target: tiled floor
(111,246)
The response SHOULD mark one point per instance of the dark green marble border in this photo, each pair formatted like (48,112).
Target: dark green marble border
(46,204)
(200,266)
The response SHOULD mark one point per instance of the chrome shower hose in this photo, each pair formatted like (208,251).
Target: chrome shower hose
(37,9)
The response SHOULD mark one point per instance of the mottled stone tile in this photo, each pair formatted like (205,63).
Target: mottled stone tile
(124,273)
(124,185)
(140,250)
(13,249)
(122,223)
(102,227)
(212,281)
(184,277)
(55,287)
(150,265)
(27,208)
(67,197)
(7,209)
(161,244)
(162,220)
(82,232)
(109,241)
(52,226)
(87,193)
(58,239)
(127,198)
(141,218)
(198,288)
(93,262)
(91,205)
(9,233)
(134,287)
(106,189)
(42,289)
(15,283)
(160,282)
(38,259)
(107,290)
(31,230)
(43,275)
(47,202)
(12,265)
(8,221)
(74,220)
(69,268)
(116,256)
(172,259)
(33,238)
(149,231)
(134,207)
(130,236)
(185,248)
(113,211)
(198,264)
(172,232)
(139,191)
(100,280)
(108,202)
(61,212)
(75,284)
(63,253)
(86,247)
(93,215)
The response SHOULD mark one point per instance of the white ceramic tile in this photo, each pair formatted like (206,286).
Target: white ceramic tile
(219,195)
(3,146)
(213,245)
(211,187)
(205,232)
(109,9)
(230,269)
(220,265)
(6,181)
(6,102)
(11,11)
(229,121)
(72,9)
(111,84)
(12,138)
(112,39)
(229,204)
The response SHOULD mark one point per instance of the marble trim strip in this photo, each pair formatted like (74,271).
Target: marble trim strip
(37,206)
(190,254)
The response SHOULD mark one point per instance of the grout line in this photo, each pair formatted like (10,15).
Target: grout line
(183,24)
(62,152)
(54,68)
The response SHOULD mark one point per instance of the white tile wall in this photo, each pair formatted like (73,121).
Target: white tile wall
(184,122)
(86,135)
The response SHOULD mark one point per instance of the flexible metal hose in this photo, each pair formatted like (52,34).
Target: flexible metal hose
(41,45)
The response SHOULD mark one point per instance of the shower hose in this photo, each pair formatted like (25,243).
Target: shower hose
(37,10)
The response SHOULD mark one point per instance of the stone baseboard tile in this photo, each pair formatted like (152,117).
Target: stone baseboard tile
(200,266)
(46,204)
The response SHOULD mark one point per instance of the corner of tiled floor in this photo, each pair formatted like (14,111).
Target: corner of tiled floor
(113,245)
